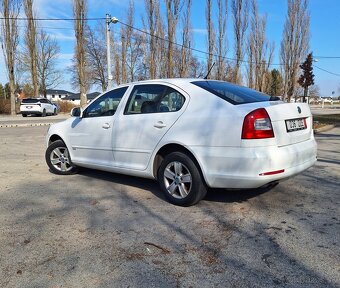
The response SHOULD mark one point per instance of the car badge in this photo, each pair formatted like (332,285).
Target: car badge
(299,109)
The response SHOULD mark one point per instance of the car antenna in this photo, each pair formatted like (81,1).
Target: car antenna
(206,76)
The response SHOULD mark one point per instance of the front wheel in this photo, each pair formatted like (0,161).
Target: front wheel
(58,159)
(181,180)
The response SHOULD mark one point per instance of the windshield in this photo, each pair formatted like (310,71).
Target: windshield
(232,93)
(31,101)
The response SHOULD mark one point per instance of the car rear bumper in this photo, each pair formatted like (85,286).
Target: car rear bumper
(30,112)
(236,167)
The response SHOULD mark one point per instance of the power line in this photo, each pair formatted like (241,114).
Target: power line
(326,57)
(43,27)
(163,39)
(187,47)
(51,19)
(326,70)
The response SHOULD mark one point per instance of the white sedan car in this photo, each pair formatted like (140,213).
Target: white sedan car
(189,134)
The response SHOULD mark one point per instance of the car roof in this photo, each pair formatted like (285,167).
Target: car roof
(175,81)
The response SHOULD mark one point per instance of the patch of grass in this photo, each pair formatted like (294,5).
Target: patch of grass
(327,119)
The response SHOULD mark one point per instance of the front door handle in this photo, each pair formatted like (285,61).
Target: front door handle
(159,124)
(106,126)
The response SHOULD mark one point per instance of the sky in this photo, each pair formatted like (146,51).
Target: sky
(324,29)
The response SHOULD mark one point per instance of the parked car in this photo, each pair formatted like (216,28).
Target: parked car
(189,134)
(37,106)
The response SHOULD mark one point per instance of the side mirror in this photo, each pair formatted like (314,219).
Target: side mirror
(76,112)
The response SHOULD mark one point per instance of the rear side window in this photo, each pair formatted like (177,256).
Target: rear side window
(154,98)
(232,93)
(29,101)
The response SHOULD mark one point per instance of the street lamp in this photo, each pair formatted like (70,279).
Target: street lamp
(109,20)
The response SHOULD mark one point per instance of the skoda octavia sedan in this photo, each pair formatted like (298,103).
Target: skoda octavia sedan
(189,134)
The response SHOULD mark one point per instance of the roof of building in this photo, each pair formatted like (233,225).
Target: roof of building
(76,96)
(58,92)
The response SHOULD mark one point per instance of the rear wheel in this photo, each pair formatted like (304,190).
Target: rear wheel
(24,115)
(181,180)
(58,159)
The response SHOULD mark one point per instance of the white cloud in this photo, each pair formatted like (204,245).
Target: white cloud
(199,31)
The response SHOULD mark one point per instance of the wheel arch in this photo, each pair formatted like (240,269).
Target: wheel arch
(174,147)
(54,138)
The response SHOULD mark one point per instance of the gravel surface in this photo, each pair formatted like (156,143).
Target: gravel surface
(98,229)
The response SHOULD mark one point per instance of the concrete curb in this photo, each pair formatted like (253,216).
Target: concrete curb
(324,129)
(24,125)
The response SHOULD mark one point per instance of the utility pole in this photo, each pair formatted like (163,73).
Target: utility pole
(109,20)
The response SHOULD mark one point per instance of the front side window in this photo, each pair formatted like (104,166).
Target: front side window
(106,105)
(154,98)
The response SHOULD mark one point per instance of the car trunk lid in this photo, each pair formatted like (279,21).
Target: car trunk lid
(292,122)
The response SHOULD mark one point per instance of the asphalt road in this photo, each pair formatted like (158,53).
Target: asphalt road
(98,229)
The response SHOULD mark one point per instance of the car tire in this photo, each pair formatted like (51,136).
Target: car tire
(58,159)
(181,180)
(24,115)
(43,113)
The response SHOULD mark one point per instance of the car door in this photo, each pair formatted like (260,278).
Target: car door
(45,105)
(50,107)
(150,111)
(91,134)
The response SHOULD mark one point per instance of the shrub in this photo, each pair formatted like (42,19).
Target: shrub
(66,106)
(5,106)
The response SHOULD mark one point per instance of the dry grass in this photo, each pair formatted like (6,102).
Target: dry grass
(66,106)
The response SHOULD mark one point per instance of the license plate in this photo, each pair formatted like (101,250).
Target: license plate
(296,124)
(29,107)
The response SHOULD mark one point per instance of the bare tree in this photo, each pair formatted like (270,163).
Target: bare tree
(123,40)
(47,54)
(96,56)
(173,8)
(151,25)
(240,11)
(221,47)
(161,48)
(133,47)
(186,40)
(260,51)
(211,33)
(31,43)
(10,40)
(294,44)
(79,12)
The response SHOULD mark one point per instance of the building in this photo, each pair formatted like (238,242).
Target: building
(75,98)
(56,94)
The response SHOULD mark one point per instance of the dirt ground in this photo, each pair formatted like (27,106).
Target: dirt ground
(98,229)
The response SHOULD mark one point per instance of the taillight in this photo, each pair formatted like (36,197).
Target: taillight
(257,125)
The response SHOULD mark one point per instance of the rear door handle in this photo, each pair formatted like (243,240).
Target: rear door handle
(159,124)
(106,126)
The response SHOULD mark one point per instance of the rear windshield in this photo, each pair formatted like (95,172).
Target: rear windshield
(232,93)
(25,101)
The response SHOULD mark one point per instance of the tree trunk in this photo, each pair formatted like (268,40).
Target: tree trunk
(79,8)
(9,29)
(31,43)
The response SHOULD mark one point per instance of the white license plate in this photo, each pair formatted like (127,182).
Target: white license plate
(29,107)
(296,124)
